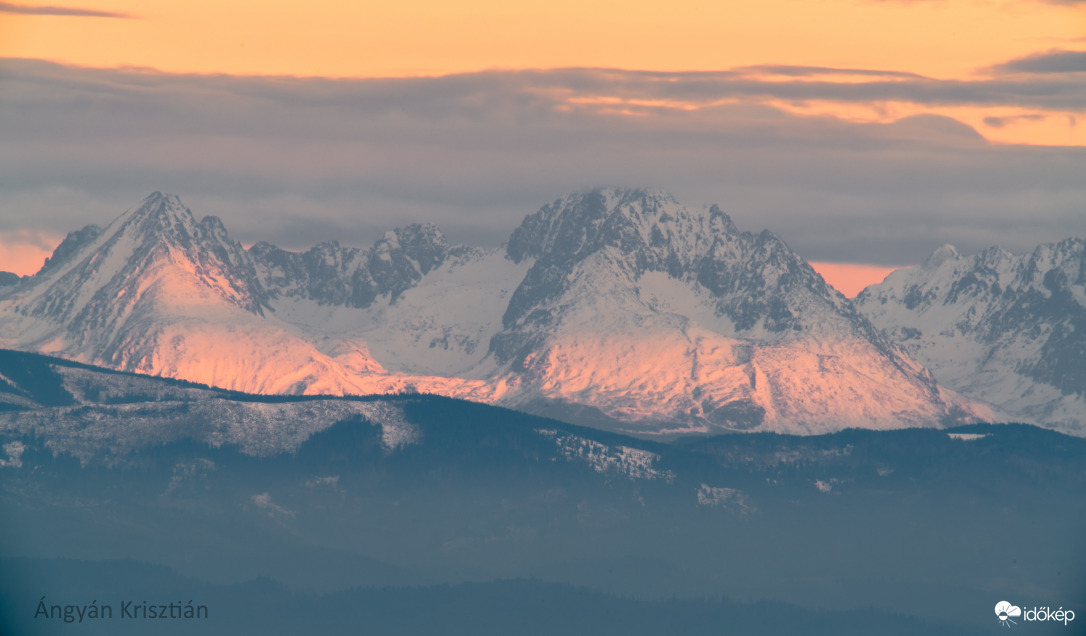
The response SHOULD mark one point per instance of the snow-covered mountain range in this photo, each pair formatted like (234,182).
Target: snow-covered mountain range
(619,308)
(1008,329)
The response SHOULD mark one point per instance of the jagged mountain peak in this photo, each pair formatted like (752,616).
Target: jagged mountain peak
(424,244)
(628,219)
(101,279)
(163,219)
(1066,255)
(161,203)
(159,227)
(213,227)
(610,198)
(754,280)
(330,274)
(942,254)
(160,216)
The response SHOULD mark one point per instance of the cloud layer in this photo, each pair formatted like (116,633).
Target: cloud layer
(23,9)
(1055,61)
(297,160)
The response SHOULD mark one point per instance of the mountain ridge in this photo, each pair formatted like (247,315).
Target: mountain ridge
(1009,329)
(662,319)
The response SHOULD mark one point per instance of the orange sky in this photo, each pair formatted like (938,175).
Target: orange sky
(946,38)
(22,257)
(850,278)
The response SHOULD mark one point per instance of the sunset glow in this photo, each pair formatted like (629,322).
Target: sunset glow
(328,38)
(430,37)
(851,278)
(23,253)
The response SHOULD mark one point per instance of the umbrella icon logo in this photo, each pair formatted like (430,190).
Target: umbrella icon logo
(1005,612)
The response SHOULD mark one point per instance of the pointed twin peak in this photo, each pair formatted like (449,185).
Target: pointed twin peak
(165,214)
(162,203)
(162,218)
(158,217)
(159,213)
(157,206)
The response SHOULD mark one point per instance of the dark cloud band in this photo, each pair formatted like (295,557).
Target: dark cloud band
(22,9)
(299,160)
(1049,62)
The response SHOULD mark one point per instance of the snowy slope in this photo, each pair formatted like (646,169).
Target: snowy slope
(1009,329)
(441,325)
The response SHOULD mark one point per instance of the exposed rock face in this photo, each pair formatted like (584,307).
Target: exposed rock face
(351,277)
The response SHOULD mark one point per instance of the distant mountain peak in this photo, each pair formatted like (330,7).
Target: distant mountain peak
(162,202)
(753,279)
(158,208)
(101,286)
(942,254)
(628,219)
(158,217)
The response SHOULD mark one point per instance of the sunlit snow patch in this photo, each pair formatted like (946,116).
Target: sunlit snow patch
(396,431)
(184,471)
(723,498)
(264,502)
(13,452)
(967,437)
(826,485)
(632,463)
(331,481)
